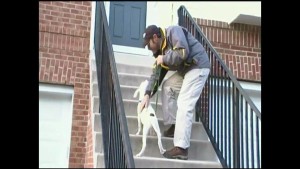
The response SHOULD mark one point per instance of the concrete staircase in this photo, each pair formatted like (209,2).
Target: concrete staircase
(201,152)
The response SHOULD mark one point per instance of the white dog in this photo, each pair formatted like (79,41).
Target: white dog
(148,118)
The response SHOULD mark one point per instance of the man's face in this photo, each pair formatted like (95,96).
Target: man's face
(154,44)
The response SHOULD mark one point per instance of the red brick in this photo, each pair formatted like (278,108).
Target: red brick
(70,6)
(56,13)
(234,47)
(230,38)
(56,3)
(81,7)
(256,50)
(251,54)
(246,71)
(219,36)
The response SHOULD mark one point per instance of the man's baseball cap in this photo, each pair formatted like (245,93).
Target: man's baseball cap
(149,32)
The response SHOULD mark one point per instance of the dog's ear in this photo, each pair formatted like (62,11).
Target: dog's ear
(136,92)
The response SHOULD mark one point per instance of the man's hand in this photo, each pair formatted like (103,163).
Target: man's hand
(159,59)
(145,102)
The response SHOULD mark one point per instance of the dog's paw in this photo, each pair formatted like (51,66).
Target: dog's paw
(138,155)
(162,151)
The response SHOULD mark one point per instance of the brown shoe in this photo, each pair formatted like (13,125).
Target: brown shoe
(170,131)
(177,153)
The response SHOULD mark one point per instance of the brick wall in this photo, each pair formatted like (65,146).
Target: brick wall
(239,45)
(64,29)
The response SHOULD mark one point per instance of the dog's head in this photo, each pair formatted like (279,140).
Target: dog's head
(141,89)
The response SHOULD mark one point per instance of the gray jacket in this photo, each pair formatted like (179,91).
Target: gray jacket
(175,55)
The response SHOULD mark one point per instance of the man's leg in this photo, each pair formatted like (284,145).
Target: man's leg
(191,89)
(170,91)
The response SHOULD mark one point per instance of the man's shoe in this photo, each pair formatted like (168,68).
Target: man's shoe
(177,153)
(170,131)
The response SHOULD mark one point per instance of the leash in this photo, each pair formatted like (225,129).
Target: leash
(158,68)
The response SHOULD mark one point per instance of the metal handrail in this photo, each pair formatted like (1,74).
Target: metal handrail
(116,142)
(224,107)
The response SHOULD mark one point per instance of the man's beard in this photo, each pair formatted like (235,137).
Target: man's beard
(158,52)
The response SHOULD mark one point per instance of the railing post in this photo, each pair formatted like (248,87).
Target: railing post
(116,142)
(99,68)
(198,112)
(236,130)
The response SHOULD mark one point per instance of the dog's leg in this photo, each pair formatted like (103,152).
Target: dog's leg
(139,121)
(136,93)
(155,125)
(152,132)
(144,142)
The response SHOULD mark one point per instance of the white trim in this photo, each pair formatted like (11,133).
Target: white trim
(131,50)
(52,88)
(91,58)
(107,9)
(247,19)
(251,86)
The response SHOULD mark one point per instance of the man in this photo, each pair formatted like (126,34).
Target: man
(176,49)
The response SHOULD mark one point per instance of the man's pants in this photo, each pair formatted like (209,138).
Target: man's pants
(187,90)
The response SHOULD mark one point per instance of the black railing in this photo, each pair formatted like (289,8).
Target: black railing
(229,116)
(115,136)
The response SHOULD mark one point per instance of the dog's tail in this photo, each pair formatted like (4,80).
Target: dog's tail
(136,93)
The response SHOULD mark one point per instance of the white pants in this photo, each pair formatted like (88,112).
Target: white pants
(187,89)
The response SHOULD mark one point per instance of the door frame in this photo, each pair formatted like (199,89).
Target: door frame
(126,49)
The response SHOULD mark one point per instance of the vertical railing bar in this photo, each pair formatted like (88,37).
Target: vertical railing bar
(258,142)
(215,97)
(242,132)
(247,133)
(226,111)
(222,111)
(229,126)
(218,104)
(252,139)
(210,94)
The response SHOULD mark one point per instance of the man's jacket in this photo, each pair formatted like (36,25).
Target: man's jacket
(176,48)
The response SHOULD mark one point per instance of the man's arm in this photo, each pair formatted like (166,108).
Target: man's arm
(153,78)
(180,49)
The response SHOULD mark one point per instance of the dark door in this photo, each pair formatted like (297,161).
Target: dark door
(127,22)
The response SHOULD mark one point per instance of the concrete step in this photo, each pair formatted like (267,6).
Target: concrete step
(201,152)
(130,79)
(97,122)
(127,79)
(94,77)
(198,131)
(137,59)
(95,91)
(153,162)
(199,149)
(130,107)
(139,70)
(145,68)
(128,91)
